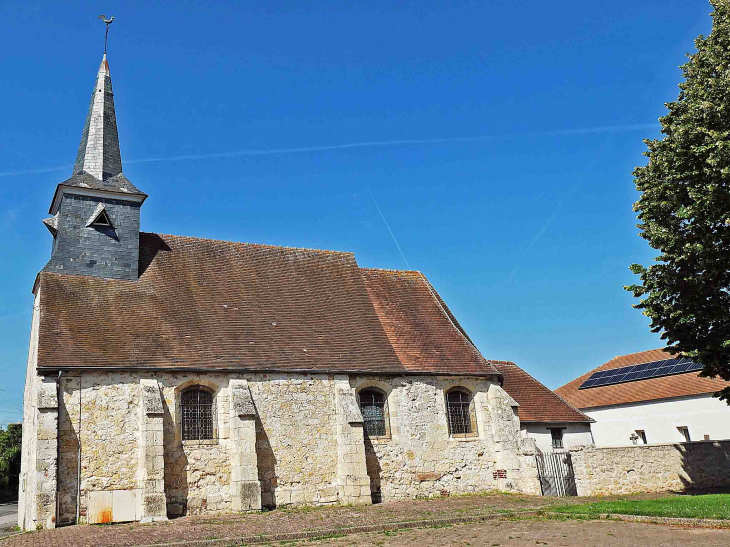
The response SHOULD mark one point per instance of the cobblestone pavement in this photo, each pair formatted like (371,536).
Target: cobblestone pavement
(569,533)
(234,527)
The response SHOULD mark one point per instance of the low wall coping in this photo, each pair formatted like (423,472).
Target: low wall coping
(582,447)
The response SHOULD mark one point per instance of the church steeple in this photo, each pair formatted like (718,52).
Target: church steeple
(99,154)
(95,222)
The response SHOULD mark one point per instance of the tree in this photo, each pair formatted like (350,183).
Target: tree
(10,441)
(684,210)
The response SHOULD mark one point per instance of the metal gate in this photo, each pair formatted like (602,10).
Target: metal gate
(555,471)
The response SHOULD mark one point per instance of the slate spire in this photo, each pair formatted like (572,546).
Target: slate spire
(99,154)
(96,212)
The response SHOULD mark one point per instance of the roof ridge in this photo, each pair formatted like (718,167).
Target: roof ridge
(266,245)
(454,322)
(553,392)
(638,353)
(395,270)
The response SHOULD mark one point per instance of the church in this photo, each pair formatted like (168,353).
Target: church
(173,375)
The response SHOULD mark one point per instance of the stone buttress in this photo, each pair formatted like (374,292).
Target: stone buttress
(45,464)
(151,452)
(353,482)
(245,485)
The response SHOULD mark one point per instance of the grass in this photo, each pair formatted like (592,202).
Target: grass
(708,506)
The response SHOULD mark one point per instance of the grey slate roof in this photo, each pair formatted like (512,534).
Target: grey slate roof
(99,162)
(99,153)
(117,183)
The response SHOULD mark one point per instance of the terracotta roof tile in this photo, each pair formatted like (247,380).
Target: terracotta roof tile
(537,402)
(202,303)
(421,329)
(651,389)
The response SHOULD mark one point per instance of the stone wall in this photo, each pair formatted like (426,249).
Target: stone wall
(651,468)
(420,458)
(103,416)
(296,440)
(27,501)
(279,439)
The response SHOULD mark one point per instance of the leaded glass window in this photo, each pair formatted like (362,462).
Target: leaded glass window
(197,414)
(458,403)
(372,406)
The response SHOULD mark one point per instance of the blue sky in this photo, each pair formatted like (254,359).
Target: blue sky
(496,140)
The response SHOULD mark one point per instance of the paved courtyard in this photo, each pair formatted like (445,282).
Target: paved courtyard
(472,520)
(570,533)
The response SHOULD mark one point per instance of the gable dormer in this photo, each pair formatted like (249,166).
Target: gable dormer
(96,213)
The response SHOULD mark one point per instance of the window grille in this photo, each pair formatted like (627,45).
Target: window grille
(197,414)
(458,403)
(372,406)
(557,435)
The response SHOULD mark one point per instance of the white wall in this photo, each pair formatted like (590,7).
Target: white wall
(573,435)
(703,415)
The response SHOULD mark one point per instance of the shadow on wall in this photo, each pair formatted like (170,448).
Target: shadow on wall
(68,440)
(372,461)
(149,246)
(266,461)
(706,465)
(176,466)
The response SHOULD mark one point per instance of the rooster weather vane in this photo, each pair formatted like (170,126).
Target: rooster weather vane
(107,22)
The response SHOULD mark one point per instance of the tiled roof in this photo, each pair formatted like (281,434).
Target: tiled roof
(206,304)
(679,385)
(537,402)
(201,303)
(421,329)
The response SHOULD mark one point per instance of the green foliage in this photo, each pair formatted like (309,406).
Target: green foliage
(710,506)
(10,441)
(684,210)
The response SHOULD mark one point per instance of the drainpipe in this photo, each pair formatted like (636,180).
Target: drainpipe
(78,462)
(58,444)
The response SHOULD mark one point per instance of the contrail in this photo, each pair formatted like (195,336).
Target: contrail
(566,196)
(388,226)
(365,144)
(34,171)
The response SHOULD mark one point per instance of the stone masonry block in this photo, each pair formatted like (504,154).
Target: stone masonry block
(348,406)
(247,496)
(241,401)
(152,399)
(47,395)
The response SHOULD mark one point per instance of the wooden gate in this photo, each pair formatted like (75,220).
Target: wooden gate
(555,471)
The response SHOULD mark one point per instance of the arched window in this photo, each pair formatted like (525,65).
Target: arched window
(197,414)
(372,406)
(458,406)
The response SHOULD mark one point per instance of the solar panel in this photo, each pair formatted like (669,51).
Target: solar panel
(655,369)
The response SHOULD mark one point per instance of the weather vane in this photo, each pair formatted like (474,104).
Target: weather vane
(107,22)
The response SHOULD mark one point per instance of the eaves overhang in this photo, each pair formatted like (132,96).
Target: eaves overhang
(589,420)
(209,368)
(67,189)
